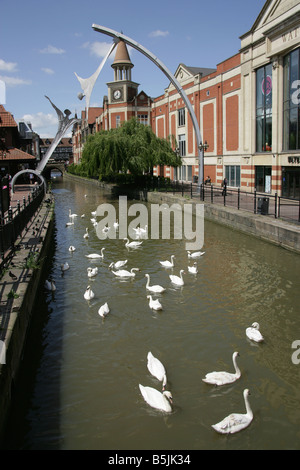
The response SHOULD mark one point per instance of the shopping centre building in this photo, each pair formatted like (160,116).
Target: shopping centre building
(247,108)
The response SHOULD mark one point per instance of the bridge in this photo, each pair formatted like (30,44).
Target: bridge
(53,165)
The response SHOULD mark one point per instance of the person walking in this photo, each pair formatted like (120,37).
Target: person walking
(224,187)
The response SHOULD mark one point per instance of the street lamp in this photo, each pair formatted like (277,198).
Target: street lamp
(202,147)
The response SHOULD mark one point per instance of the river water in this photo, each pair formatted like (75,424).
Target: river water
(79,386)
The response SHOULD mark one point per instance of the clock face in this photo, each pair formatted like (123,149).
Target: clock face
(117,94)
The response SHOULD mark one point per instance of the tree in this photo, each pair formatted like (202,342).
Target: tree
(132,147)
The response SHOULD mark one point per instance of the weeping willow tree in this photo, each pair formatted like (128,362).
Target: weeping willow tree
(133,147)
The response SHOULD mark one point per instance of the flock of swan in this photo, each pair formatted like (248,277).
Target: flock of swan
(162,400)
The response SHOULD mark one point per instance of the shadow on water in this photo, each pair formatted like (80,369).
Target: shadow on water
(28,422)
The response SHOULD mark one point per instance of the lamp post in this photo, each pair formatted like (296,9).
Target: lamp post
(202,147)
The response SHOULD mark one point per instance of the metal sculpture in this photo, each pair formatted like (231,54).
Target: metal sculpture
(87,84)
(164,69)
(64,123)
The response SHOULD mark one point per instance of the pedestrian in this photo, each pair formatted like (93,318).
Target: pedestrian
(224,186)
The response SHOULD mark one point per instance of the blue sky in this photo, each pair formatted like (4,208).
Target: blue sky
(42,44)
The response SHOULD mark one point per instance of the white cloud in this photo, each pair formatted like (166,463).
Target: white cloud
(99,49)
(43,124)
(52,50)
(47,71)
(158,33)
(13,81)
(8,66)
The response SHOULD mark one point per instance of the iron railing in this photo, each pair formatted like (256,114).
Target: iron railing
(14,221)
(255,202)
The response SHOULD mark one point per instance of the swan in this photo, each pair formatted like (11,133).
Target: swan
(235,422)
(161,401)
(94,213)
(125,273)
(157,369)
(193,269)
(196,254)
(50,285)
(68,224)
(178,280)
(93,220)
(96,255)
(253,333)
(72,215)
(154,304)
(156,288)
(64,266)
(103,310)
(118,264)
(223,378)
(116,224)
(132,244)
(72,248)
(168,264)
(86,235)
(89,294)
(82,216)
(92,272)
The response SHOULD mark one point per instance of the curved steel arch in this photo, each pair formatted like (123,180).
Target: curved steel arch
(35,172)
(164,69)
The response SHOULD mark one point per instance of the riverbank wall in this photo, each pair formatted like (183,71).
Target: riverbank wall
(267,228)
(20,286)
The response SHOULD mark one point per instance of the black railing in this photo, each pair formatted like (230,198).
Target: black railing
(255,202)
(14,221)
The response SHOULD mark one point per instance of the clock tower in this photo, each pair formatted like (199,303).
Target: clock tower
(122,89)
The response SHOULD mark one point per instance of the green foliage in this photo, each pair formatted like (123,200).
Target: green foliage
(133,147)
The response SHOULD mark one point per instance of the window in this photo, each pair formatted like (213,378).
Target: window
(181,139)
(264,109)
(143,119)
(291,101)
(181,117)
(233,175)
(118,121)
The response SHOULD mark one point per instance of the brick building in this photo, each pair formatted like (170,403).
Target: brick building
(248,108)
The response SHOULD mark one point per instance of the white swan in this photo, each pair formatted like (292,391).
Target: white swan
(93,220)
(154,304)
(72,215)
(50,285)
(116,224)
(253,333)
(64,266)
(68,224)
(103,310)
(96,255)
(178,280)
(235,422)
(129,244)
(118,264)
(92,272)
(86,235)
(125,273)
(168,264)
(157,369)
(196,254)
(193,269)
(156,399)
(89,294)
(223,378)
(72,248)
(94,213)
(155,288)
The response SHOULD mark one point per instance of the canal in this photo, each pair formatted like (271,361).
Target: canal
(79,384)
